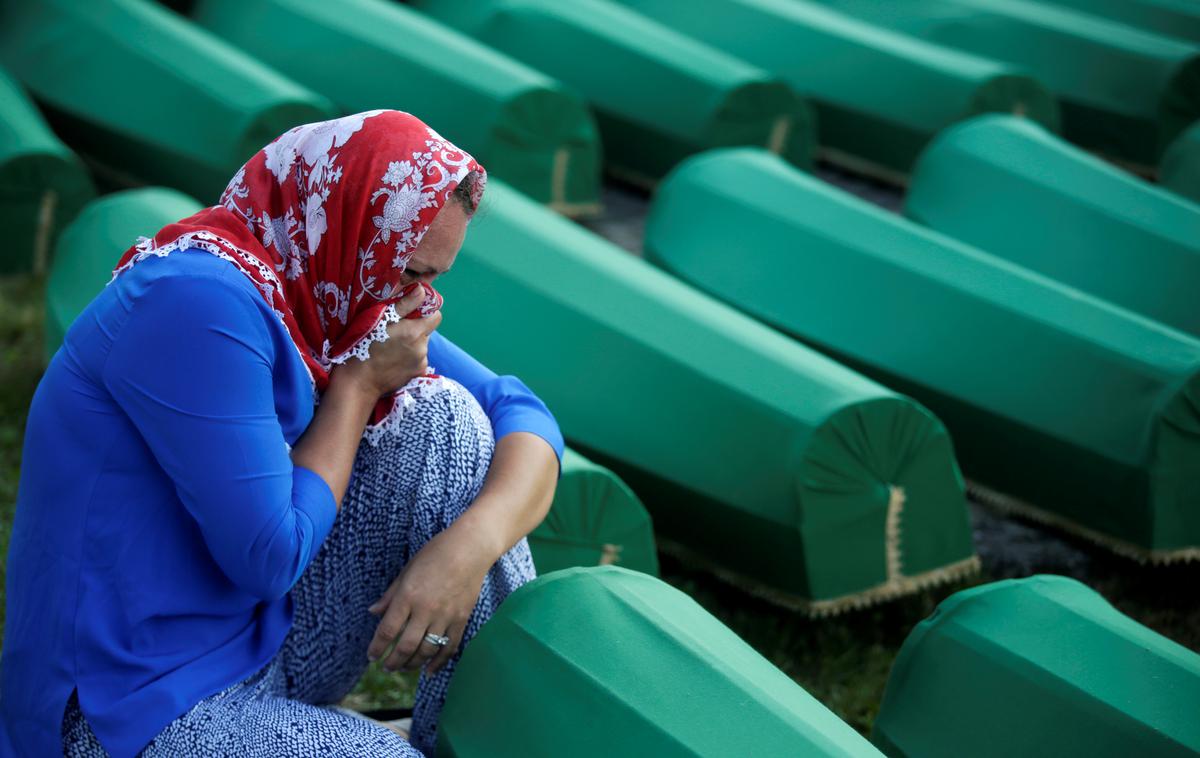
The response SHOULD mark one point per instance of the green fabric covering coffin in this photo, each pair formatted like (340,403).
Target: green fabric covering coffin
(597,662)
(1058,398)
(148,93)
(367,54)
(90,247)
(42,184)
(1011,189)
(1181,165)
(1173,18)
(763,457)
(1123,92)
(659,96)
(880,96)
(595,520)
(1038,666)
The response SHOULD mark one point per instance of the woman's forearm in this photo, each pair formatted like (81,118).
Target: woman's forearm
(516,496)
(331,441)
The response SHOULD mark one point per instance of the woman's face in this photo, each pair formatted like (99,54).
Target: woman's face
(435,254)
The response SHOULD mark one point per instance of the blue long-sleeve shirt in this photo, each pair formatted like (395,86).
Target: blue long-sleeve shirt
(160,521)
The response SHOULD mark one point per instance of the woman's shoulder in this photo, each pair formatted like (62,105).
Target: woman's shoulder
(195,279)
(190,266)
(189,292)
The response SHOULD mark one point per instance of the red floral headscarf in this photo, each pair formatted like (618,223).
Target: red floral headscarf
(324,221)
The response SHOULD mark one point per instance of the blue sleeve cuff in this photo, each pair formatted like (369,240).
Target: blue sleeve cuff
(533,421)
(512,407)
(312,497)
(508,403)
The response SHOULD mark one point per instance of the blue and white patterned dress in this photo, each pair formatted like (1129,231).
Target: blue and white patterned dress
(405,488)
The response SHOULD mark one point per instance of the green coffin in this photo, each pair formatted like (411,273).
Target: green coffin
(763,457)
(1012,189)
(1038,666)
(595,520)
(607,662)
(1174,18)
(1063,400)
(90,247)
(880,96)
(659,96)
(148,93)
(42,184)
(1180,171)
(1123,92)
(522,125)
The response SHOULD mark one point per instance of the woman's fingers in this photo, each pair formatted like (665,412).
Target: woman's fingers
(390,626)
(455,634)
(411,301)
(409,646)
(431,322)
(427,649)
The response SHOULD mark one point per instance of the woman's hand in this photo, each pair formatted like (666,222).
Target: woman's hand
(435,593)
(399,358)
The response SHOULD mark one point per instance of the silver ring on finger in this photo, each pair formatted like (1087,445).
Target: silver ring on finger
(440,640)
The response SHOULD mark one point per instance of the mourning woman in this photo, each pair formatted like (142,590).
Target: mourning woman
(254,466)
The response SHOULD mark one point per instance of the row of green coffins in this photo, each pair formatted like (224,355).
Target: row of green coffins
(763,457)
(1123,91)
(648,669)
(1012,189)
(595,518)
(145,92)
(880,96)
(1063,400)
(658,94)
(600,661)
(140,89)
(873,96)
(363,54)
(42,183)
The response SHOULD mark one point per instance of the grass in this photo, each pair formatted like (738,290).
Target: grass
(20,368)
(843,661)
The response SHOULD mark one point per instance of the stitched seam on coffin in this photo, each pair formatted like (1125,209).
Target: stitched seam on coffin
(892,534)
(558,177)
(826,607)
(1015,506)
(45,225)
